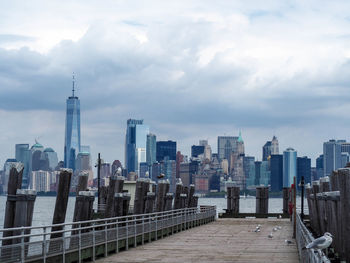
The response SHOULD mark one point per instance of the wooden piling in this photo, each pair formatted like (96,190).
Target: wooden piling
(190,195)
(315,191)
(118,205)
(285,200)
(229,199)
(344,188)
(262,200)
(195,200)
(169,201)
(183,198)
(235,199)
(14,183)
(83,178)
(110,196)
(149,205)
(119,184)
(59,215)
(138,197)
(162,187)
(126,202)
(334,184)
(177,199)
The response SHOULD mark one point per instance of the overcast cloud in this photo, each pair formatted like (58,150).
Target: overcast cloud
(191,69)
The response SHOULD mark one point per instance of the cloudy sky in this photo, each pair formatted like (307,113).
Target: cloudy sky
(191,69)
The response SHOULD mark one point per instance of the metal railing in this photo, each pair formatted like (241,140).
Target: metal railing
(34,243)
(304,237)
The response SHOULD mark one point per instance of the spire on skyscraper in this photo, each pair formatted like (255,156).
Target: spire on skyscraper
(73,85)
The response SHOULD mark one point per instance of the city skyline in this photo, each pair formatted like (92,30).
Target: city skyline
(191,70)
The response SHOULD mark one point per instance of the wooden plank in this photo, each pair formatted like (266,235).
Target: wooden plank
(225,240)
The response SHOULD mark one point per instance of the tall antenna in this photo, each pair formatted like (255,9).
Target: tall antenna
(73,84)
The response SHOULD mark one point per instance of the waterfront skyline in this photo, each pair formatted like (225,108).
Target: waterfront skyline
(211,71)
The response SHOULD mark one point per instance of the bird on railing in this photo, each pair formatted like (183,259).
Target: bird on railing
(321,242)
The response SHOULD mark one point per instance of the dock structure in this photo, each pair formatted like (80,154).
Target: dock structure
(225,240)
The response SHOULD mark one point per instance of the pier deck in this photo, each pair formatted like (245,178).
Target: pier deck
(225,240)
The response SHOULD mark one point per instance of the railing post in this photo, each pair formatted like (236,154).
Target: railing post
(156,226)
(64,244)
(93,242)
(106,239)
(22,246)
(79,242)
(143,229)
(135,231)
(117,237)
(44,245)
(127,234)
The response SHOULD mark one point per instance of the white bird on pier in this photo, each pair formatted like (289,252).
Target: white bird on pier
(288,242)
(279,227)
(321,242)
(270,235)
(274,229)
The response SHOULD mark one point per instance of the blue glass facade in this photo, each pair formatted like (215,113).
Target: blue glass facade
(276,168)
(135,144)
(151,149)
(289,166)
(72,133)
(332,159)
(166,149)
(303,169)
(23,156)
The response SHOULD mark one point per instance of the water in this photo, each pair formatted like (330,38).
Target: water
(44,207)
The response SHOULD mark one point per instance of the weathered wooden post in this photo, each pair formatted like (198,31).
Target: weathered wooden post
(126,202)
(14,183)
(195,200)
(229,199)
(178,192)
(169,201)
(308,191)
(145,190)
(316,212)
(59,215)
(322,203)
(154,188)
(149,205)
(138,200)
(83,178)
(285,200)
(344,188)
(24,213)
(262,200)
(110,196)
(183,198)
(235,199)
(190,195)
(162,185)
(119,184)
(118,204)
(333,181)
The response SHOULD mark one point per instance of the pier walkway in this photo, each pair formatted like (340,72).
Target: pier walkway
(225,240)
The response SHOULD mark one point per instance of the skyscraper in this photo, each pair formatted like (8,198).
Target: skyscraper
(319,167)
(276,168)
(303,169)
(135,144)
(151,149)
(289,166)
(332,159)
(166,149)
(72,133)
(270,147)
(23,156)
(226,145)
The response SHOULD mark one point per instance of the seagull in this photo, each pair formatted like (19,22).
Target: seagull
(279,227)
(270,235)
(161,176)
(321,242)
(257,230)
(288,242)
(274,229)
(279,217)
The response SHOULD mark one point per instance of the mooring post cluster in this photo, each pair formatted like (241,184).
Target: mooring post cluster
(329,209)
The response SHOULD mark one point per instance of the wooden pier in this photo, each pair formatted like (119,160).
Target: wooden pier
(225,240)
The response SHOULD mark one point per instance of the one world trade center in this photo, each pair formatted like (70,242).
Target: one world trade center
(72,134)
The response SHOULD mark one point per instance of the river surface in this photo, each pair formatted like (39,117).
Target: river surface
(44,207)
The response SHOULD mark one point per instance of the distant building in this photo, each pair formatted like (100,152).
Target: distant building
(166,149)
(38,162)
(226,145)
(289,166)
(265,174)
(23,156)
(151,149)
(143,169)
(51,156)
(276,168)
(249,170)
(332,159)
(303,169)
(344,159)
(135,144)
(185,174)
(179,160)
(105,170)
(197,150)
(40,181)
(72,130)
(319,167)
(168,168)
(224,166)
(115,165)
(270,147)
(201,183)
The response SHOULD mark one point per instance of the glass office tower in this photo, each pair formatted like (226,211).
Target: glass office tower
(289,166)
(72,133)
